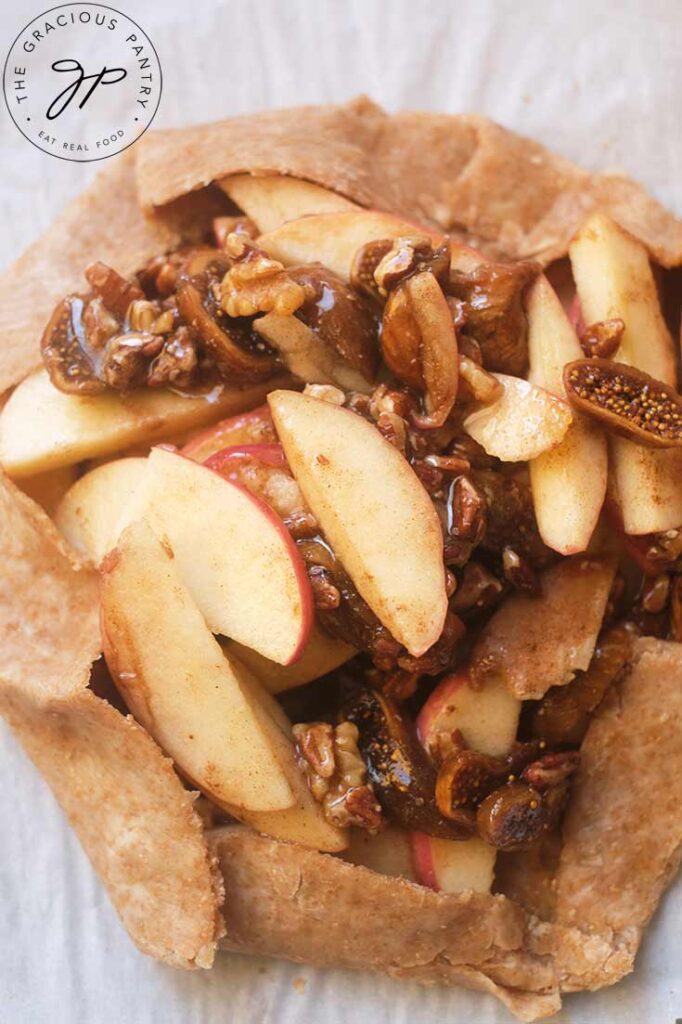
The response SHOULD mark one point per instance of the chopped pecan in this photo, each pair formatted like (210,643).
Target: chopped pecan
(603,338)
(626,401)
(478,589)
(224,226)
(337,775)
(519,572)
(116,292)
(551,770)
(480,386)
(177,361)
(325,594)
(99,323)
(125,360)
(467,511)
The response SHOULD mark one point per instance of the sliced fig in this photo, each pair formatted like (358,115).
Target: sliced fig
(401,773)
(340,317)
(70,362)
(419,345)
(194,304)
(626,401)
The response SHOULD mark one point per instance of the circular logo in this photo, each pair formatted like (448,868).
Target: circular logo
(82,82)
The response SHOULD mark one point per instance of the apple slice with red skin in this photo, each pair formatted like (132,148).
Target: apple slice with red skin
(268,454)
(389,852)
(253,427)
(488,718)
(263,470)
(333,239)
(177,682)
(568,482)
(370,505)
(448,866)
(271,199)
(233,553)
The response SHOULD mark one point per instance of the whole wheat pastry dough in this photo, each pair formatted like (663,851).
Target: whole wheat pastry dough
(130,811)
(512,198)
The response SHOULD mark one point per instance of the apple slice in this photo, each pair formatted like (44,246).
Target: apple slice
(322,654)
(614,279)
(523,423)
(89,515)
(252,427)
(42,428)
(487,717)
(48,488)
(306,355)
(569,481)
(304,822)
(448,866)
(177,682)
(533,643)
(333,239)
(389,852)
(371,506)
(648,485)
(271,199)
(234,554)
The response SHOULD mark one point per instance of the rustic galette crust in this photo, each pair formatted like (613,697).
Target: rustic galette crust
(115,785)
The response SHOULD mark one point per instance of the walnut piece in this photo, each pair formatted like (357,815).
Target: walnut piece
(337,774)
(255,283)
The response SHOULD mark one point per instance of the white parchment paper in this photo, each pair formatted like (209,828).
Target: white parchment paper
(598,80)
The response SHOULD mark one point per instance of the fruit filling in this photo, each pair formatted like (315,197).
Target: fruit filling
(418,550)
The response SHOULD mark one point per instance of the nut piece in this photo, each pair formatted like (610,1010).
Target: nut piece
(255,283)
(365,262)
(602,340)
(626,401)
(481,386)
(116,291)
(337,775)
